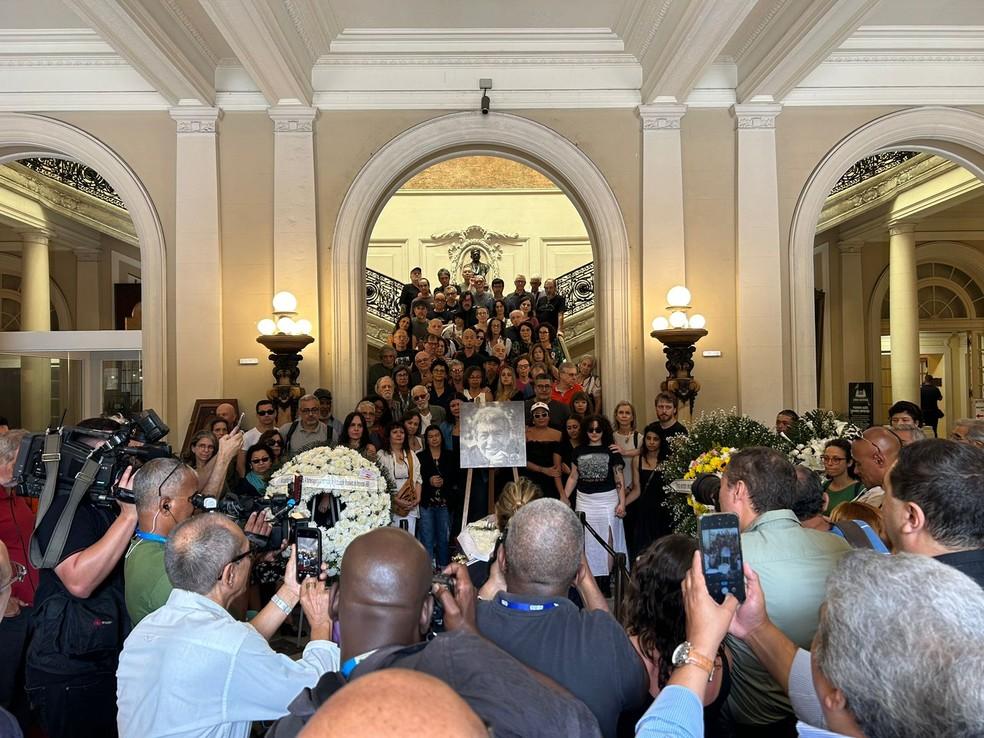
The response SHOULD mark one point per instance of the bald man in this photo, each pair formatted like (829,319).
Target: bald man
(874,453)
(377,705)
(383,603)
(228,413)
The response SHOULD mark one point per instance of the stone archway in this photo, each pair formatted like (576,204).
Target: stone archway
(26,135)
(450,136)
(951,132)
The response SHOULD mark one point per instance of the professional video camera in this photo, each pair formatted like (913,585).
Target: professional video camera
(240,510)
(706,489)
(65,452)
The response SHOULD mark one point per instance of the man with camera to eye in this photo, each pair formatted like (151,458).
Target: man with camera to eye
(80,617)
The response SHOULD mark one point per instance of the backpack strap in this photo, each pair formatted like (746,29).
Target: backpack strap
(290,433)
(853,533)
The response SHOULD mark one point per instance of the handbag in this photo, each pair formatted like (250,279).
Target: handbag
(404,499)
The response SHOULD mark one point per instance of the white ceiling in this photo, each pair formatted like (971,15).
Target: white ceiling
(358,54)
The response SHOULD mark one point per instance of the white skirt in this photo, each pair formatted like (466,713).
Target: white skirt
(411,521)
(599,509)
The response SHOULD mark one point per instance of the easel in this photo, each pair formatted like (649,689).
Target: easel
(468,484)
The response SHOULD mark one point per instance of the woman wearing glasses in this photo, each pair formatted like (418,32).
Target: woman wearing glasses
(259,462)
(596,474)
(275,442)
(838,465)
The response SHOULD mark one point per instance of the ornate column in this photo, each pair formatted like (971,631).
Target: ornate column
(759,278)
(903,317)
(853,341)
(197,263)
(295,222)
(663,250)
(35,375)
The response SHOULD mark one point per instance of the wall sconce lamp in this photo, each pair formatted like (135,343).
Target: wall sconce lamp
(679,334)
(285,337)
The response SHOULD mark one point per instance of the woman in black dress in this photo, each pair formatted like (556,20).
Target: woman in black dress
(644,504)
(543,452)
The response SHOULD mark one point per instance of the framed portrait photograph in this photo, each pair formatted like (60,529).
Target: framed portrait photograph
(493,435)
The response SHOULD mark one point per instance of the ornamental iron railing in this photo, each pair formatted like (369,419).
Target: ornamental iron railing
(75,175)
(383,292)
(870,166)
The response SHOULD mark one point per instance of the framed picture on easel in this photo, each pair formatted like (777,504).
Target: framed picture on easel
(203,412)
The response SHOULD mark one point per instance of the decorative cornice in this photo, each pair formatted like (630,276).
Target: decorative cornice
(293,118)
(302,28)
(195,119)
(193,33)
(955,57)
(473,60)
(661,116)
(763,24)
(850,247)
(900,229)
(87,255)
(756,116)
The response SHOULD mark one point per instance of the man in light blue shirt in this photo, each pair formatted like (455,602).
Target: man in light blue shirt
(190,669)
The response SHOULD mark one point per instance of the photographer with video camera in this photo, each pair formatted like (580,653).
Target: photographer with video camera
(80,617)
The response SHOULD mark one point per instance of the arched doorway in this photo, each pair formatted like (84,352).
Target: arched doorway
(25,136)
(955,134)
(456,135)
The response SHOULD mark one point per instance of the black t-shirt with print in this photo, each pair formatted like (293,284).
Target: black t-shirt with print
(596,467)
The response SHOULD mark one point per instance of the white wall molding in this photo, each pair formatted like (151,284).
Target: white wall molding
(470,41)
(951,132)
(453,135)
(756,116)
(470,99)
(34,134)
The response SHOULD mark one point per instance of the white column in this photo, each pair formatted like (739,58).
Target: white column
(35,374)
(295,224)
(663,252)
(197,263)
(903,314)
(853,341)
(759,281)
(87,316)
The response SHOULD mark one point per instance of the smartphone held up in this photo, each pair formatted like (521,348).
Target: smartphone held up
(308,552)
(720,553)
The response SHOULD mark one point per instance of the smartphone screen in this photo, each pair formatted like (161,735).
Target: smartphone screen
(720,548)
(308,553)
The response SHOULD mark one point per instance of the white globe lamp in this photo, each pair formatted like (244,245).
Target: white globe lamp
(678,296)
(284,302)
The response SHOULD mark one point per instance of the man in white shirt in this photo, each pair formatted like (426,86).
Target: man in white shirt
(429,414)
(190,670)
(874,453)
(266,419)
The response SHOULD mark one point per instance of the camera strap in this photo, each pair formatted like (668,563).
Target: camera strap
(84,479)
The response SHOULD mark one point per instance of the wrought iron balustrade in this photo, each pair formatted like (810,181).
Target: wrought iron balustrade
(577,287)
(383,295)
(870,166)
(77,176)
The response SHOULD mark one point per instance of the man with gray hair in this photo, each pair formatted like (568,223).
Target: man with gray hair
(191,669)
(970,431)
(872,673)
(307,429)
(528,615)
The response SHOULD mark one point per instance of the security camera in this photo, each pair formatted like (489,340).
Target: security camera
(485,84)
(485,104)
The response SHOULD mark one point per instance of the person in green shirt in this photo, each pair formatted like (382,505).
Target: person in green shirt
(838,465)
(163,489)
(792,563)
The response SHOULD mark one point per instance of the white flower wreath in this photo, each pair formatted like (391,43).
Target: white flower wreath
(359,485)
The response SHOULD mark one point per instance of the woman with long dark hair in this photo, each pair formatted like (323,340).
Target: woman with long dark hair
(657,623)
(404,468)
(838,464)
(275,442)
(438,471)
(644,504)
(355,435)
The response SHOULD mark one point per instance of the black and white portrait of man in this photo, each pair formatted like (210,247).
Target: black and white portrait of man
(493,435)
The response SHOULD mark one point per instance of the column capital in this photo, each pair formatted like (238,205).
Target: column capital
(192,119)
(898,229)
(87,255)
(850,246)
(756,116)
(661,116)
(293,118)
(35,235)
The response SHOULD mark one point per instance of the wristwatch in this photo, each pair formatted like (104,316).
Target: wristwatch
(685,654)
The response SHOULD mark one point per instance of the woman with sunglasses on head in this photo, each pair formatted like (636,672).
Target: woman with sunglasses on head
(596,474)
(403,467)
(838,465)
(543,452)
(275,442)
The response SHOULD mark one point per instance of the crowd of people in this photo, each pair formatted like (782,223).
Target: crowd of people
(161,620)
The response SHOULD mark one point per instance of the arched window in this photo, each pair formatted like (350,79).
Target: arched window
(10,304)
(944,293)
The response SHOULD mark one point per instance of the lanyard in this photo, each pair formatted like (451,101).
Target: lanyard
(349,666)
(527,606)
(150,537)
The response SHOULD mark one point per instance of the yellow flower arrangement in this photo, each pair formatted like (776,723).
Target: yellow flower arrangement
(714,461)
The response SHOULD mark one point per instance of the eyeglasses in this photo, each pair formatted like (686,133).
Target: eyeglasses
(264,460)
(272,442)
(420,397)
(541,415)
(19,573)
(310,409)
(266,412)
(237,559)
(594,430)
(831,459)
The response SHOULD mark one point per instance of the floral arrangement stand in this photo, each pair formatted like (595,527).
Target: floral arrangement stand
(360,486)
(814,430)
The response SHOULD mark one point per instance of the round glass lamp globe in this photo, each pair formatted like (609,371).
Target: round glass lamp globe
(266,327)
(303,326)
(678,319)
(284,302)
(661,324)
(678,296)
(285,325)
(697,321)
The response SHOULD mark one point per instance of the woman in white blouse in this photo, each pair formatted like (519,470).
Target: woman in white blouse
(402,464)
